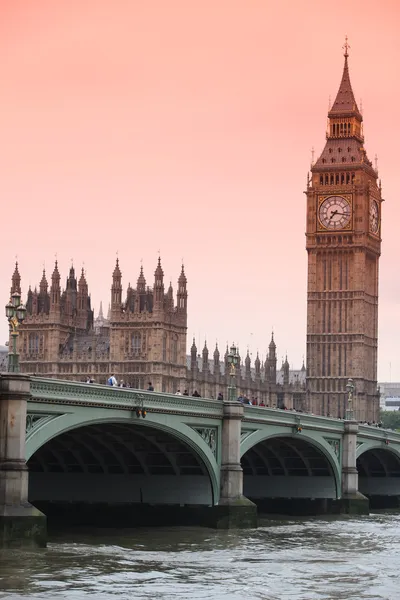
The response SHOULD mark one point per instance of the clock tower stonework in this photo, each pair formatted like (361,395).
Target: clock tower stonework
(343,236)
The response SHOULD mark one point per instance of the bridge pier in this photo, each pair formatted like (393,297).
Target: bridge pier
(352,502)
(21,524)
(233,510)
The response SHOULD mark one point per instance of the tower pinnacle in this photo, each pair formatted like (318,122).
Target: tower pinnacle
(346,47)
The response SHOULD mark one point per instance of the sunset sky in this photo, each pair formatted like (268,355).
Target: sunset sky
(186,127)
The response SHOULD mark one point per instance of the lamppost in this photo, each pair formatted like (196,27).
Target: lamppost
(15,313)
(350,390)
(233,360)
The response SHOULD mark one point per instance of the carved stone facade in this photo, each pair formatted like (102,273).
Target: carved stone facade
(343,244)
(142,339)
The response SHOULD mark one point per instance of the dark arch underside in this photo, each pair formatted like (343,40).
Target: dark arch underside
(288,476)
(379,477)
(116,448)
(117,463)
(285,456)
(378,463)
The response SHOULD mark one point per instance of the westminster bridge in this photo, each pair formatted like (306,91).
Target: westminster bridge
(92,450)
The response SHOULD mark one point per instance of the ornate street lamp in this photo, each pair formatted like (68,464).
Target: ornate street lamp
(233,360)
(350,387)
(15,313)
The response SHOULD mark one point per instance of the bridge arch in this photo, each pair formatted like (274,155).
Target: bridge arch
(64,431)
(282,468)
(378,465)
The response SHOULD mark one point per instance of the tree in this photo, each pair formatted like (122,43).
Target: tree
(390,419)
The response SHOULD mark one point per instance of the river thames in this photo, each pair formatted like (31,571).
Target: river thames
(340,558)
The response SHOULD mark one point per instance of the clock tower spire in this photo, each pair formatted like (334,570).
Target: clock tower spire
(343,245)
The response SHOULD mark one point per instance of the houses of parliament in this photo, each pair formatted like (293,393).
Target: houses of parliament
(144,336)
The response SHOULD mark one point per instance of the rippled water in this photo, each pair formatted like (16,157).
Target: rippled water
(346,558)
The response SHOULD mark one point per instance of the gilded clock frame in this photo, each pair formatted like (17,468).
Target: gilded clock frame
(320,227)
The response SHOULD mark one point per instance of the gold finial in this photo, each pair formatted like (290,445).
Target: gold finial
(346,47)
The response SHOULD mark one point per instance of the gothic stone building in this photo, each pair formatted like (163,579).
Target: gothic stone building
(142,339)
(343,244)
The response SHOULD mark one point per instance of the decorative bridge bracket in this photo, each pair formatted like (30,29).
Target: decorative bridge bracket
(245,434)
(209,435)
(36,420)
(335,445)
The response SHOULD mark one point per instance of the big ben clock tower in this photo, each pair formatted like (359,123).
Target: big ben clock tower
(343,245)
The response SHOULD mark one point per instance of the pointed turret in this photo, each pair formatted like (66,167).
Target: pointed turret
(158,286)
(29,301)
(182,292)
(116,289)
(270,363)
(43,286)
(15,281)
(257,367)
(82,280)
(205,358)
(193,356)
(71,280)
(272,345)
(82,301)
(43,297)
(141,282)
(226,361)
(55,290)
(247,363)
(216,360)
(71,293)
(170,297)
(100,315)
(285,368)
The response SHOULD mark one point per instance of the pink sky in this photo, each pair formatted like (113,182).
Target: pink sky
(186,127)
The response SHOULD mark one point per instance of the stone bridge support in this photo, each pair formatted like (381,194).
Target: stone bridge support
(352,502)
(233,510)
(21,524)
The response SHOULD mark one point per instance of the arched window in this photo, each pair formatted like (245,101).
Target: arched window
(33,343)
(136,343)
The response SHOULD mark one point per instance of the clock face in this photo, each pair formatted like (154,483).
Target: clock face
(373,216)
(335,212)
